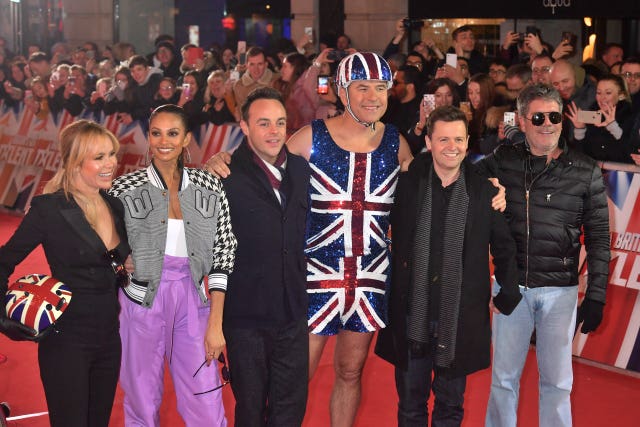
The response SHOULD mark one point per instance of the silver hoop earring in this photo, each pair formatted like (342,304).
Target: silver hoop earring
(147,159)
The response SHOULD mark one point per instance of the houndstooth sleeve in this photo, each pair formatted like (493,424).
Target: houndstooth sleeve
(225,245)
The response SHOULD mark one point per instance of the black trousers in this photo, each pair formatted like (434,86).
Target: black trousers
(269,370)
(79,365)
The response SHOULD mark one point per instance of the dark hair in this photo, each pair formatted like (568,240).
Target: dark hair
(609,46)
(459,30)
(138,60)
(499,61)
(535,92)
(181,114)
(255,51)
(412,76)
(446,113)
(164,38)
(435,84)
(300,64)
(199,77)
(38,57)
(618,81)
(522,71)
(256,94)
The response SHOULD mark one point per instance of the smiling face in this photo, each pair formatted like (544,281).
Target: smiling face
(367,98)
(563,79)
(466,40)
(608,94)
(543,140)
(256,65)
(448,145)
(444,96)
(266,128)
(97,168)
(286,72)
(139,73)
(167,138)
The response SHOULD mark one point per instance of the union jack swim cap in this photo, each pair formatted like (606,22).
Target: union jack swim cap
(363,66)
(37,301)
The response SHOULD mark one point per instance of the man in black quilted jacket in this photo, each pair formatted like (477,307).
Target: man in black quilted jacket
(554,195)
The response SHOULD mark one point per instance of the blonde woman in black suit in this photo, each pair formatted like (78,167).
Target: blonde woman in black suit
(79,226)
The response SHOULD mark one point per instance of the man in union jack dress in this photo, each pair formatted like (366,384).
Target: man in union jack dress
(355,160)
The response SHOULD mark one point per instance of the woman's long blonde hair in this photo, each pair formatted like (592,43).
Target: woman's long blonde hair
(76,140)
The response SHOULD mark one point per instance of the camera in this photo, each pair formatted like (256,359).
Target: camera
(337,55)
(412,24)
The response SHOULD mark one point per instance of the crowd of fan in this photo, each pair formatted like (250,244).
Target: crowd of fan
(211,85)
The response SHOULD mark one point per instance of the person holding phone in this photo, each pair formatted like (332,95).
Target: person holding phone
(257,75)
(444,92)
(298,86)
(606,137)
(192,98)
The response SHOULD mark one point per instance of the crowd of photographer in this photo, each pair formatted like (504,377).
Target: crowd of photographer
(602,98)
(209,84)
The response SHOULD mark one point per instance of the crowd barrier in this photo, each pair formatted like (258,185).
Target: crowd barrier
(29,153)
(29,157)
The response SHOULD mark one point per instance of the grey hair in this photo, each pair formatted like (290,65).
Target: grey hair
(535,92)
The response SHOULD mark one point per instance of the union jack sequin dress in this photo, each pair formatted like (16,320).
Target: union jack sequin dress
(348,260)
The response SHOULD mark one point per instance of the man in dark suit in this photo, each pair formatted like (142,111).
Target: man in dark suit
(443,224)
(265,316)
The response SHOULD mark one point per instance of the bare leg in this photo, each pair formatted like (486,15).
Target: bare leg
(316,346)
(348,361)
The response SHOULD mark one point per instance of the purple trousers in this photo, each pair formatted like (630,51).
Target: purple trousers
(173,328)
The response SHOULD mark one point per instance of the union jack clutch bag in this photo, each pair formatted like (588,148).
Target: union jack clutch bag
(37,301)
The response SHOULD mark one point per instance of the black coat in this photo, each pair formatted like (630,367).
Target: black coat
(268,283)
(75,253)
(484,227)
(566,199)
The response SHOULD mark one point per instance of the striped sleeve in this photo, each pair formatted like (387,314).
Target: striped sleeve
(225,245)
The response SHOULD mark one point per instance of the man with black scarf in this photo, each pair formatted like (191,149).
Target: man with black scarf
(443,224)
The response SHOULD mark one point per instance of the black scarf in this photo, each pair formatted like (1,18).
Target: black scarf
(451,282)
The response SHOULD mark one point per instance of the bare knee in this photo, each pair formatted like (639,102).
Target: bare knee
(348,371)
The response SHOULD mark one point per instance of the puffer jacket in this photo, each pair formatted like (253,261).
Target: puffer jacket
(549,207)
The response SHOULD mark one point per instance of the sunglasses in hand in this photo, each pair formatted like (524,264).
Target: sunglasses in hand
(226,378)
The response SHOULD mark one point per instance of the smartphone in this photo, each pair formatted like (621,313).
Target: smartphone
(591,117)
(242,47)
(234,75)
(323,85)
(452,60)
(72,81)
(193,54)
(28,94)
(242,58)
(572,39)
(509,118)
(429,101)
(465,106)
(309,32)
(186,88)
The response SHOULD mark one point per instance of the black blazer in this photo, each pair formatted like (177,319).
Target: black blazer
(74,251)
(484,227)
(268,283)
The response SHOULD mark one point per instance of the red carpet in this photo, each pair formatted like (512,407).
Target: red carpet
(601,397)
